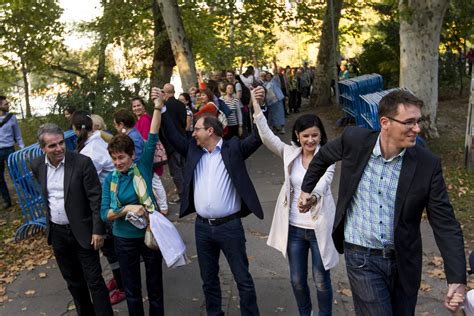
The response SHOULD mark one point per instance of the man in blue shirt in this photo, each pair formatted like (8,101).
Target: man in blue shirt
(10,134)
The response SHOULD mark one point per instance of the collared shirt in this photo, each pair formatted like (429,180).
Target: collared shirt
(215,195)
(96,149)
(55,187)
(10,133)
(370,216)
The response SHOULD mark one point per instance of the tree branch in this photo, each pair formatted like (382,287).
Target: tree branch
(69,71)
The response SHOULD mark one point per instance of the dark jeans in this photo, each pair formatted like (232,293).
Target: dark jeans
(300,241)
(81,270)
(4,153)
(176,166)
(375,285)
(230,238)
(129,251)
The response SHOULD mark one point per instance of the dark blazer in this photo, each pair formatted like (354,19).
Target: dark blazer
(420,186)
(234,153)
(82,195)
(177,113)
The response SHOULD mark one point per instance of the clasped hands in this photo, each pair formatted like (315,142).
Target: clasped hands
(306,201)
(158,97)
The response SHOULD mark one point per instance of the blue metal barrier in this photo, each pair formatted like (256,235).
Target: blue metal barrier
(28,189)
(370,104)
(351,89)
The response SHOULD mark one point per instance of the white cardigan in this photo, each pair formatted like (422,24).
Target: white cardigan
(324,210)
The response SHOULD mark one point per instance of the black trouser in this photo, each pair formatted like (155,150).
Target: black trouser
(81,270)
(295,101)
(129,251)
(176,166)
(4,153)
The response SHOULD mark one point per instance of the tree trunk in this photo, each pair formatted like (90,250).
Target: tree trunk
(180,45)
(326,61)
(163,60)
(26,84)
(420,27)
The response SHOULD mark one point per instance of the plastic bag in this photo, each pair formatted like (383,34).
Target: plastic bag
(150,240)
(167,236)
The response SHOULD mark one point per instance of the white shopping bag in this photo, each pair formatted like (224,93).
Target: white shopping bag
(167,236)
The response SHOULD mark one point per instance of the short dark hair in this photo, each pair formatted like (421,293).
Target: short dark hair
(47,128)
(231,71)
(138,99)
(209,121)
(307,121)
(388,106)
(121,143)
(124,116)
(3,98)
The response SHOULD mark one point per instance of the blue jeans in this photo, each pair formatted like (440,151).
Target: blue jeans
(4,153)
(276,114)
(375,287)
(300,241)
(128,252)
(230,238)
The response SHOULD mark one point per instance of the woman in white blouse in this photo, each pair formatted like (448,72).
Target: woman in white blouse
(296,233)
(91,144)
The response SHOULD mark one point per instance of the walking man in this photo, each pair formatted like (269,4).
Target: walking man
(386,183)
(72,191)
(10,134)
(217,186)
(177,115)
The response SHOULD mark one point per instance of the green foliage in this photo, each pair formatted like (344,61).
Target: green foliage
(30,32)
(382,51)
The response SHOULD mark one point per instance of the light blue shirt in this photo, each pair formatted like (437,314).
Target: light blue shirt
(138,141)
(215,195)
(370,216)
(10,133)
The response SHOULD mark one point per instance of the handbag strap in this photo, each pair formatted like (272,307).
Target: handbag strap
(6,119)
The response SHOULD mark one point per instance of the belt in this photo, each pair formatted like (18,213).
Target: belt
(218,221)
(386,252)
(66,226)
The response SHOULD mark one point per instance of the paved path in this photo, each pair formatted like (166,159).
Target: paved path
(182,286)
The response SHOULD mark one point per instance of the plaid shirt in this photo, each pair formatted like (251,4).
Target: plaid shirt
(370,216)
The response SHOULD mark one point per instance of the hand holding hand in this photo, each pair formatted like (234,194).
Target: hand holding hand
(258,94)
(97,241)
(455,296)
(305,202)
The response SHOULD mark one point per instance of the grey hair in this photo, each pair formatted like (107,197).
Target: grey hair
(48,128)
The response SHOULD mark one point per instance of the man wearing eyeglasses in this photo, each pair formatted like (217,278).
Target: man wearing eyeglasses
(386,183)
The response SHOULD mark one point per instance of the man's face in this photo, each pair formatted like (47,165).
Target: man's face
(229,76)
(201,134)
(399,134)
(54,147)
(4,106)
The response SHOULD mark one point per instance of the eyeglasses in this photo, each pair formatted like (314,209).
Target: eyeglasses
(408,123)
(199,128)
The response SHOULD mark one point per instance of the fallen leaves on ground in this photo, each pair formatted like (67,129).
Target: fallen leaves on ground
(437,273)
(30,292)
(425,287)
(23,255)
(345,292)
(437,261)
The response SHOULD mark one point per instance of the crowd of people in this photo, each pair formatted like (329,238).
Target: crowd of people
(96,195)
